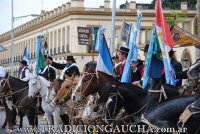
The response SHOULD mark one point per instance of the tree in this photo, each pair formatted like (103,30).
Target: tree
(176,4)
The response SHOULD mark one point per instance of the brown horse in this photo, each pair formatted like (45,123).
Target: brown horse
(65,92)
(90,83)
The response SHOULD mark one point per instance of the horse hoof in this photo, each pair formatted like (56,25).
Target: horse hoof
(9,131)
(2,128)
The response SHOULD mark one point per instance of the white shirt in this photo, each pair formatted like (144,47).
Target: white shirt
(28,75)
(2,72)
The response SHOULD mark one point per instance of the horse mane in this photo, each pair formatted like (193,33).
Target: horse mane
(166,105)
(110,77)
(19,81)
(113,88)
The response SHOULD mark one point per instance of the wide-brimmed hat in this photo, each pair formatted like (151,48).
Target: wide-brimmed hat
(23,62)
(124,49)
(48,57)
(71,58)
(171,52)
(145,49)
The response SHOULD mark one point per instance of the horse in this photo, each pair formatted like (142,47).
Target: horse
(166,114)
(14,92)
(90,83)
(65,91)
(39,83)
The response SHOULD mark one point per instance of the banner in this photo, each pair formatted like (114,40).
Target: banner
(183,38)
(84,36)
(125,32)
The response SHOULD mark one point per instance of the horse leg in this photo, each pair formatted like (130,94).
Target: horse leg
(49,118)
(4,124)
(36,120)
(65,119)
(21,115)
(30,113)
(56,120)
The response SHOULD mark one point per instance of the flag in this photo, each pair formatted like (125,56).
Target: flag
(126,75)
(125,32)
(2,48)
(99,38)
(133,49)
(137,36)
(165,41)
(183,38)
(25,55)
(104,62)
(39,55)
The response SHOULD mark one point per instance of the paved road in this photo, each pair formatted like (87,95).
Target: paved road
(25,123)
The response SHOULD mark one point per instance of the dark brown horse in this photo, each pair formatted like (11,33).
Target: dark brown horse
(90,83)
(15,92)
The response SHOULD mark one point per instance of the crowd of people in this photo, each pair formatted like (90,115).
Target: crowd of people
(137,68)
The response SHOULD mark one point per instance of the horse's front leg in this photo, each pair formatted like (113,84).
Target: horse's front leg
(56,117)
(49,118)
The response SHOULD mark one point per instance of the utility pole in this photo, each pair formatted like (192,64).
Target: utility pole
(12,40)
(198,28)
(113,28)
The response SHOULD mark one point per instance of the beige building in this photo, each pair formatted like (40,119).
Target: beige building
(60,27)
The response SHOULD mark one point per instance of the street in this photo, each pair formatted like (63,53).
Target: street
(25,123)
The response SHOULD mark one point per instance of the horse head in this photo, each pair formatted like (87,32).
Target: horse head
(34,86)
(65,92)
(194,74)
(86,86)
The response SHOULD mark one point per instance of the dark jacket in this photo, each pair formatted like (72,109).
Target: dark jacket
(181,75)
(177,68)
(23,72)
(69,71)
(136,76)
(49,73)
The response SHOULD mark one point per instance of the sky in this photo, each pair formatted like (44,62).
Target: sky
(27,7)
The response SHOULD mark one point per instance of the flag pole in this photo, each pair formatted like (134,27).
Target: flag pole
(113,28)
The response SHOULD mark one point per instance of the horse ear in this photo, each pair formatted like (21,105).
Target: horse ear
(66,76)
(73,75)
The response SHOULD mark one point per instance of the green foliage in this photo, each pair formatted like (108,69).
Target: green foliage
(176,4)
(175,18)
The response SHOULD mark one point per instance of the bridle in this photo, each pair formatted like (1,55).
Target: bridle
(72,87)
(83,90)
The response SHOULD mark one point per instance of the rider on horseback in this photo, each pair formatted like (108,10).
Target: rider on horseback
(68,68)
(49,72)
(25,74)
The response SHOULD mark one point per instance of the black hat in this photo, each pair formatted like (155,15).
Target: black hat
(145,49)
(124,49)
(71,58)
(23,62)
(171,53)
(48,57)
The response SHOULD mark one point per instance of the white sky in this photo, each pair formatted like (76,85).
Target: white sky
(26,7)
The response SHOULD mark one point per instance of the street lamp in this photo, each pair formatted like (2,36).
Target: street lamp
(12,34)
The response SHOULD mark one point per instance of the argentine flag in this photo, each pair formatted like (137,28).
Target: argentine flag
(104,62)
(25,55)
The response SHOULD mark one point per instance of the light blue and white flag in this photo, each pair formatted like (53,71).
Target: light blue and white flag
(133,49)
(137,36)
(25,55)
(104,62)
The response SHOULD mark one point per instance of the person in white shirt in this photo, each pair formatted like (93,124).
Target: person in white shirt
(26,72)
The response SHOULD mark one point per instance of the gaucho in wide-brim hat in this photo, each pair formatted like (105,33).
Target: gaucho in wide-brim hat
(71,58)
(123,49)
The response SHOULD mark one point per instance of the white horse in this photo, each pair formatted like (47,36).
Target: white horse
(38,83)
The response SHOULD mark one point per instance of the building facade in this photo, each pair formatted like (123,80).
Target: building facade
(60,28)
